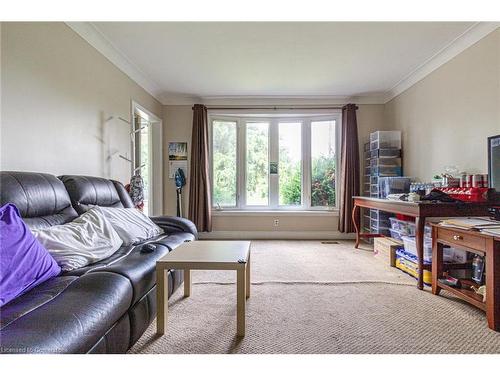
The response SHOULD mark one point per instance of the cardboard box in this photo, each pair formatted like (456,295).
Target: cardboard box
(384,248)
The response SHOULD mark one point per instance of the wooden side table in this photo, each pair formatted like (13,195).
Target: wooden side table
(205,255)
(477,243)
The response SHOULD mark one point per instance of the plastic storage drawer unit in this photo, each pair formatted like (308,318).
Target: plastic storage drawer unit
(385,162)
(385,139)
(384,153)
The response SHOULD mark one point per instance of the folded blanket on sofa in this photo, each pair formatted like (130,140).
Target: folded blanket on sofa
(86,240)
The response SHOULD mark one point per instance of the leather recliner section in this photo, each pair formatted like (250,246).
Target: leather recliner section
(102,308)
(41,198)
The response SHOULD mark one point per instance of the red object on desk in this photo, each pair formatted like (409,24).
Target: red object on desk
(471,194)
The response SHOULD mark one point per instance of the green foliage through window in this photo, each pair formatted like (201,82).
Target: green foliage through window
(224,163)
(290,164)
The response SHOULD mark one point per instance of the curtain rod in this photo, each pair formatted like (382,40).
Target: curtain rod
(269,108)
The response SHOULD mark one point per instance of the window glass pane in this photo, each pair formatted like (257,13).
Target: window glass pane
(257,159)
(224,163)
(323,163)
(290,165)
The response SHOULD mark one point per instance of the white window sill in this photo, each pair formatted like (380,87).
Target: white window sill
(236,212)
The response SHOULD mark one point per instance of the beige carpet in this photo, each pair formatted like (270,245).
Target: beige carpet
(309,297)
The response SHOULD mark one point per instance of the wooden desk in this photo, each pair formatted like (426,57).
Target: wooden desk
(420,211)
(478,243)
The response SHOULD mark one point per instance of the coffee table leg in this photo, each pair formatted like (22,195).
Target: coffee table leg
(161,300)
(241,301)
(187,283)
(248,277)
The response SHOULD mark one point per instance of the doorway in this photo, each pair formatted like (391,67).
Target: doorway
(148,158)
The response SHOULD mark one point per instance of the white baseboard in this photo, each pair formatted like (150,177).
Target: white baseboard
(275,235)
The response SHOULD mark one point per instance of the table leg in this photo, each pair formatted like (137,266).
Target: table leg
(356,219)
(187,283)
(437,262)
(248,276)
(493,285)
(419,241)
(240,301)
(161,300)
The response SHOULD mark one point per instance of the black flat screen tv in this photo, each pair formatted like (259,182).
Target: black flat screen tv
(494,162)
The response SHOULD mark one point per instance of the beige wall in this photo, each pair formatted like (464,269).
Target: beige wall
(56,92)
(447,116)
(177,122)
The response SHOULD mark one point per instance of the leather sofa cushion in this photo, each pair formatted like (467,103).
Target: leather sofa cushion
(33,299)
(86,191)
(116,340)
(102,264)
(41,199)
(175,240)
(73,321)
(139,268)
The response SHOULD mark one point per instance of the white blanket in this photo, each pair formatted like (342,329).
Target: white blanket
(85,240)
(131,224)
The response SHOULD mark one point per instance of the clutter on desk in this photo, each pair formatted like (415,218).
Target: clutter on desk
(492,231)
(406,197)
(477,223)
(461,186)
(393,185)
(436,195)
(466,194)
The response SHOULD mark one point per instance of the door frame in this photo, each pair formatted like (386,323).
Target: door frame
(156,167)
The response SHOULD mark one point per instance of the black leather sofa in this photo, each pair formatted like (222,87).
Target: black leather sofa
(102,308)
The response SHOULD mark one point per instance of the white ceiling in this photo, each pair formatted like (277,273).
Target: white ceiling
(276,59)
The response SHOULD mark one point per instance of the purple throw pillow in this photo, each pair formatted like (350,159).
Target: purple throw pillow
(24,262)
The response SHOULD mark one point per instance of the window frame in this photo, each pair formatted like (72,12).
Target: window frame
(273,151)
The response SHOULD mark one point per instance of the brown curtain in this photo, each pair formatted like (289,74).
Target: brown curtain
(200,205)
(349,171)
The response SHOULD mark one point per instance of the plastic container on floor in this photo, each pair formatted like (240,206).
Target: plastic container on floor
(376,223)
(411,247)
(396,234)
(380,215)
(450,255)
(408,264)
(408,228)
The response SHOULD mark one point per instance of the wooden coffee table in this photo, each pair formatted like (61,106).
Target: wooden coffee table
(205,255)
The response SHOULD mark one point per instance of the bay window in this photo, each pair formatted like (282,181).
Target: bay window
(274,163)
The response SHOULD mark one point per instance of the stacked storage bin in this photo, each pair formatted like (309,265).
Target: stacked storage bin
(385,161)
(406,257)
(365,222)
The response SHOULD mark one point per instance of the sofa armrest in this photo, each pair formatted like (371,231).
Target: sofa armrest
(173,224)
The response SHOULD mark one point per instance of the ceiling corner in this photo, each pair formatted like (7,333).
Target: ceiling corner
(94,37)
(471,36)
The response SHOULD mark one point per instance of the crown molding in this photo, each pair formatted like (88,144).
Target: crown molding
(96,39)
(272,99)
(469,37)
